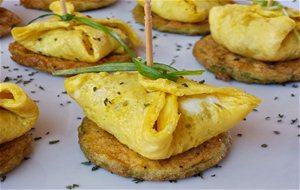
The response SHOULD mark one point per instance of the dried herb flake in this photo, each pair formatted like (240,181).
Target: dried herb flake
(54,142)
(136,180)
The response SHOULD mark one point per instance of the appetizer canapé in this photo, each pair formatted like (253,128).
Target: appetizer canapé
(56,44)
(157,127)
(80,5)
(18,114)
(252,43)
(178,16)
(7,20)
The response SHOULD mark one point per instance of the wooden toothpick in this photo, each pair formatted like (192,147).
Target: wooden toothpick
(63,7)
(148,32)
(270,3)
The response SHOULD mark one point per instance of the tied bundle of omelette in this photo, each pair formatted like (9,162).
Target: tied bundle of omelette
(191,11)
(158,118)
(18,112)
(73,40)
(255,32)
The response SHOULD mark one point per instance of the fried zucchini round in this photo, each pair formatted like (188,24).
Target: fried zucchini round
(7,20)
(104,150)
(227,65)
(25,57)
(79,4)
(13,153)
(165,25)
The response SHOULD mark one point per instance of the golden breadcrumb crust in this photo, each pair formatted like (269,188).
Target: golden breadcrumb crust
(7,20)
(227,65)
(25,57)
(106,151)
(13,153)
(78,4)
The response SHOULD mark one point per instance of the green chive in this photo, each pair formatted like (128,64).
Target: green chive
(108,67)
(182,73)
(42,16)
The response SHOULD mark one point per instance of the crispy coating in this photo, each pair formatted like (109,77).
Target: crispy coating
(227,65)
(7,20)
(106,151)
(13,153)
(79,4)
(165,25)
(49,64)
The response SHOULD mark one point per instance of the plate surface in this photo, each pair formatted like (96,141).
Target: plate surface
(248,166)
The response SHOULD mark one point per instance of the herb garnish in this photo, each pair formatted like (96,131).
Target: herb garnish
(105,101)
(293,121)
(264,145)
(54,142)
(87,163)
(37,138)
(137,64)
(199,175)
(185,85)
(95,168)
(3,178)
(73,186)
(217,166)
(136,180)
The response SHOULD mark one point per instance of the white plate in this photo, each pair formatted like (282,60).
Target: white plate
(247,166)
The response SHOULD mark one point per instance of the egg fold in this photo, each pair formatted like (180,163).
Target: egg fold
(252,31)
(73,40)
(158,118)
(190,11)
(18,113)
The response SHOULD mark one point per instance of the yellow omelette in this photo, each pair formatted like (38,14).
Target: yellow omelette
(73,40)
(254,32)
(158,118)
(184,11)
(18,113)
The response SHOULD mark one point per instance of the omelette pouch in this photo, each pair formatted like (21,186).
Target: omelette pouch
(191,11)
(73,40)
(252,31)
(158,118)
(18,113)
